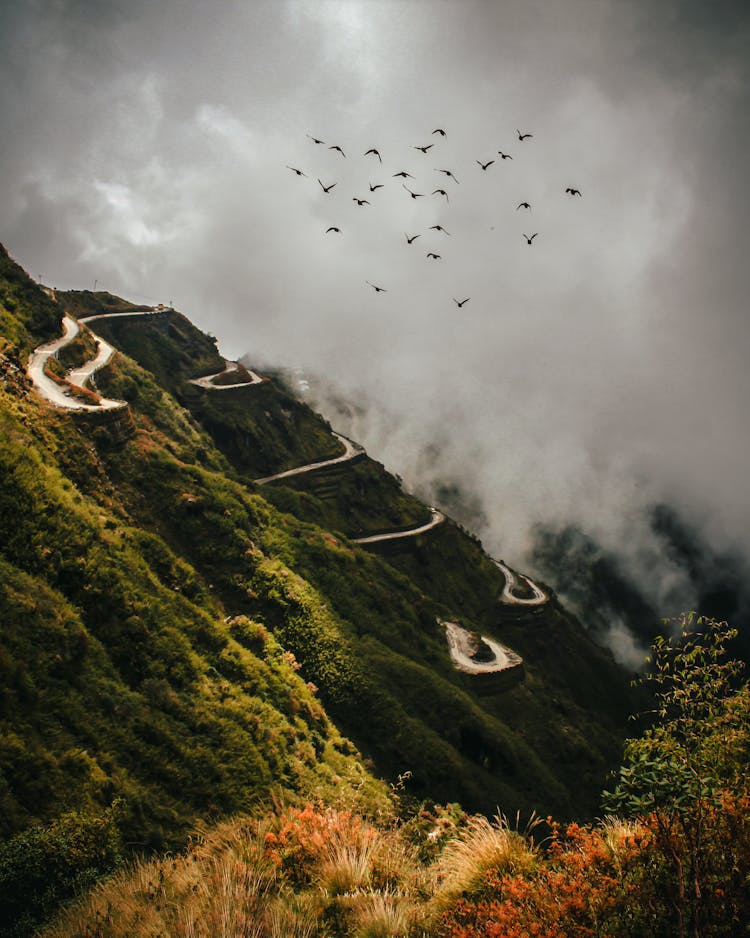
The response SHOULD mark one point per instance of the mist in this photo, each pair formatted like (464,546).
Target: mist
(591,375)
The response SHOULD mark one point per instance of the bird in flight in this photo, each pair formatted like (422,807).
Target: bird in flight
(439,228)
(412,238)
(485,165)
(377,289)
(378,185)
(424,149)
(336,147)
(439,130)
(403,174)
(523,205)
(505,156)
(447,172)
(315,139)
(523,136)
(460,303)
(441,192)
(333,228)
(373,150)
(295,170)
(414,195)
(573,191)
(530,239)
(435,257)
(360,201)
(326,188)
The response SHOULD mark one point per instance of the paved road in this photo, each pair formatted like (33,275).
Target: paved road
(461,645)
(209,381)
(508,596)
(437,518)
(58,394)
(351,450)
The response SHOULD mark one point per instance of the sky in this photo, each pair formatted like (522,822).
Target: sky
(146,150)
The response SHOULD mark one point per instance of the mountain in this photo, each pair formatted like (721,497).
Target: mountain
(188,634)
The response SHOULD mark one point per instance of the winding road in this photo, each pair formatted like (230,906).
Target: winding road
(60,395)
(437,518)
(511,581)
(351,450)
(462,645)
(209,381)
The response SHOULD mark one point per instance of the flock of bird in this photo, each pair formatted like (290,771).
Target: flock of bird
(403,175)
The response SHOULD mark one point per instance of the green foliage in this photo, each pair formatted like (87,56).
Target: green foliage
(46,866)
(27,315)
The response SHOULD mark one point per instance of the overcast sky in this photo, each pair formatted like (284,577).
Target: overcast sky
(145,146)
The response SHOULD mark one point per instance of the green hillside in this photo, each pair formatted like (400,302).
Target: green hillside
(182,639)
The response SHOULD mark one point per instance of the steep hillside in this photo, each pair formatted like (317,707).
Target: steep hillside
(220,635)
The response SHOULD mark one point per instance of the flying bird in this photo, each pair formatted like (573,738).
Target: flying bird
(485,165)
(297,171)
(505,156)
(377,289)
(523,205)
(327,188)
(447,172)
(412,238)
(373,150)
(414,195)
(439,130)
(336,147)
(460,303)
(530,239)
(403,174)
(523,136)
(435,257)
(439,228)
(315,139)
(441,192)
(378,185)
(573,191)
(360,201)
(333,228)
(424,149)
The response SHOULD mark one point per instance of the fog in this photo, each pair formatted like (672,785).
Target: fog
(591,374)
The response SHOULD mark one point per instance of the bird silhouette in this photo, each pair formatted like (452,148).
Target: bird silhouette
(327,188)
(505,156)
(523,136)
(447,172)
(377,289)
(573,191)
(424,149)
(414,195)
(373,150)
(333,228)
(404,175)
(336,147)
(360,201)
(315,139)
(297,171)
(523,205)
(435,257)
(439,228)
(460,303)
(441,192)
(378,185)
(485,165)
(439,130)
(412,238)
(530,239)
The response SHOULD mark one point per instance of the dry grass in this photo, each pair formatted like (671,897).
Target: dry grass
(482,846)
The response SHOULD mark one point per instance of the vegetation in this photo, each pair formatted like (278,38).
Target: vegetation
(323,871)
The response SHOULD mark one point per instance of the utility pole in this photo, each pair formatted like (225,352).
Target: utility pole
(95,283)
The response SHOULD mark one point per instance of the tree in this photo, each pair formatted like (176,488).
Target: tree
(688,772)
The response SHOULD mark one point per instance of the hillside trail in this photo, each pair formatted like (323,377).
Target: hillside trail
(351,449)
(437,518)
(511,582)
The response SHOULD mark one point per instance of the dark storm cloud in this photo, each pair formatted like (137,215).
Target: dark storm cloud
(146,145)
